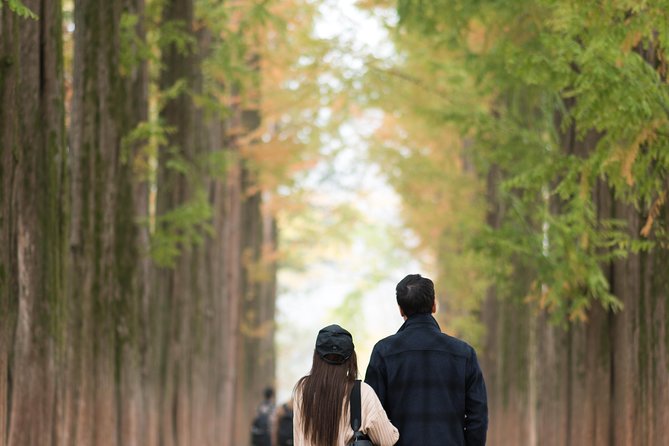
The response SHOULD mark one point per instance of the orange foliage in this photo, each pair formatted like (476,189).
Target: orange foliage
(647,135)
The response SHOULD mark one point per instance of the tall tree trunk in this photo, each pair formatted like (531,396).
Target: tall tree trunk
(133,386)
(32,224)
(258,304)
(174,288)
(209,360)
(104,299)
(508,343)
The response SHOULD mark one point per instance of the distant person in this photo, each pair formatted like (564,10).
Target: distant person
(282,424)
(321,399)
(429,383)
(261,427)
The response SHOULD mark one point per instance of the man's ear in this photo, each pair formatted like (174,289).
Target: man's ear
(434,307)
(401,312)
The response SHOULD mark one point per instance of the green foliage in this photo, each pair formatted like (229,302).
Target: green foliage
(234,56)
(223,40)
(134,48)
(217,163)
(564,100)
(175,33)
(180,228)
(18,8)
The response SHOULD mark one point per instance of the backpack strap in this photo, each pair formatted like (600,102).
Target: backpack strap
(355,402)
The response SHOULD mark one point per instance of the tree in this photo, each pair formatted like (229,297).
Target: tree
(32,219)
(138,261)
(103,298)
(561,107)
(219,284)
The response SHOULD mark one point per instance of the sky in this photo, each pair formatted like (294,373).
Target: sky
(360,278)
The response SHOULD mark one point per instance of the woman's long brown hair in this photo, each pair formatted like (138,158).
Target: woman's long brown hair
(324,392)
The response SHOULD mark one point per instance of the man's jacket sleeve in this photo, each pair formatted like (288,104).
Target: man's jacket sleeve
(476,404)
(375,376)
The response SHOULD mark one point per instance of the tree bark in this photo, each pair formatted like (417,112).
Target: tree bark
(257,306)
(104,247)
(176,287)
(32,223)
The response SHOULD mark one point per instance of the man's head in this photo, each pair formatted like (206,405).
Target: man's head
(268,393)
(415,295)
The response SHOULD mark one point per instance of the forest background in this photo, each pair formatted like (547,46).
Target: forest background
(170,167)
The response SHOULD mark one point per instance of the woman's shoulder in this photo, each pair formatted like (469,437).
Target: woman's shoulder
(375,421)
(364,387)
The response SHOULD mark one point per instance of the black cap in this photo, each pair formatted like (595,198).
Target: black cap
(334,342)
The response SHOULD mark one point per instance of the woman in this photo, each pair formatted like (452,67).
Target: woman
(321,399)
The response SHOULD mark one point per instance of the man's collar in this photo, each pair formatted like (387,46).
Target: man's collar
(420,319)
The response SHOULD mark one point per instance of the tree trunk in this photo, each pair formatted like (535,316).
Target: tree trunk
(104,248)
(175,287)
(133,386)
(258,304)
(32,224)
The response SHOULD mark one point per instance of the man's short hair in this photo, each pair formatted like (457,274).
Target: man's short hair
(268,393)
(415,295)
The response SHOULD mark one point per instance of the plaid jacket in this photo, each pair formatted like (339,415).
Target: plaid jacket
(430,385)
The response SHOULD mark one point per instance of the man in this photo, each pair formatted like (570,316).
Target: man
(260,429)
(429,383)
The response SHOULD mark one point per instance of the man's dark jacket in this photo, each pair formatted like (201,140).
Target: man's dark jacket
(431,386)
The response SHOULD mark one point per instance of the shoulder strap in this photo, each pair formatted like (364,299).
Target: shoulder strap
(355,406)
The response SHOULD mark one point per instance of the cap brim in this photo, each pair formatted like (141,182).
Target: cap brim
(342,359)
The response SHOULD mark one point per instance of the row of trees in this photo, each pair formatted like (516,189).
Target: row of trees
(137,260)
(534,161)
(148,144)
